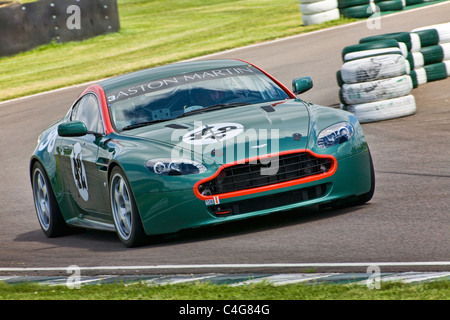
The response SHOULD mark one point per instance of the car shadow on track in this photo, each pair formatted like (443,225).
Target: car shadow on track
(96,240)
(273,221)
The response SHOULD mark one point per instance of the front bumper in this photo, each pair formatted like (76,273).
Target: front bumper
(169,212)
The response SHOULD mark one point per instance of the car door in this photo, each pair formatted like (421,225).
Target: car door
(84,178)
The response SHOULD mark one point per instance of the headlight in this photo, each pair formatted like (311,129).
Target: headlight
(335,134)
(175,167)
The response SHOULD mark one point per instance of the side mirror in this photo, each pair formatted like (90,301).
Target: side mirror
(72,129)
(300,85)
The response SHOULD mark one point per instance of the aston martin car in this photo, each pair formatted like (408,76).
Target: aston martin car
(194,144)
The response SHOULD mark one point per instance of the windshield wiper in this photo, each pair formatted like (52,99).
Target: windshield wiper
(214,107)
(228,105)
(143,124)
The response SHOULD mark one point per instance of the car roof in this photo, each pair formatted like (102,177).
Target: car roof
(155,73)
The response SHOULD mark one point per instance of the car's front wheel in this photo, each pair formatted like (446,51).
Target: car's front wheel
(47,210)
(367,196)
(124,210)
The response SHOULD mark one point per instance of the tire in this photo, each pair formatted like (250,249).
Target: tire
(443,31)
(361,199)
(446,51)
(371,53)
(432,54)
(318,18)
(432,72)
(404,37)
(436,71)
(124,211)
(429,55)
(318,7)
(428,73)
(374,68)
(403,49)
(377,90)
(47,210)
(309,1)
(415,60)
(428,37)
(359,12)
(418,77)
(381,44)
(416,43)
(339,79)
(366,197)
(413,2)
(384,109)
(352,3)
(447,67)
(436,53)
(390,5)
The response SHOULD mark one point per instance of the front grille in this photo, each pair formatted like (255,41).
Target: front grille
(248,175)
(271,201)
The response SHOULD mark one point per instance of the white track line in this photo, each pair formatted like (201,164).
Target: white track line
(242,48)
(237,266)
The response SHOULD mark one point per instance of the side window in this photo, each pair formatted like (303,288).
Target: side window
(87,110)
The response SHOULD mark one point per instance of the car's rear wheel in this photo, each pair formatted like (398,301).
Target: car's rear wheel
(124,210)
(47,210)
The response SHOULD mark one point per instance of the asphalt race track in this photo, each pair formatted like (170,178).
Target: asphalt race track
(408,219)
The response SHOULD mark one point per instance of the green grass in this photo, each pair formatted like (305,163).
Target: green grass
(152,33)
(437,290)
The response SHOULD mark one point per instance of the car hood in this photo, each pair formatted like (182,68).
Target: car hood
(233,134)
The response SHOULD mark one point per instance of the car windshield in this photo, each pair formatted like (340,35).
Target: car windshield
(189,93)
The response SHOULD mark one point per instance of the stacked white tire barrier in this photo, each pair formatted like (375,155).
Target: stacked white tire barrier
(365,8)
(318,11)
(383,109)
(378,74)
(428,51)
(356,8)
(374,80)
(432,61)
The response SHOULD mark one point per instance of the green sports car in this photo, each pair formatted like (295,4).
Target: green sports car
(194,144)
